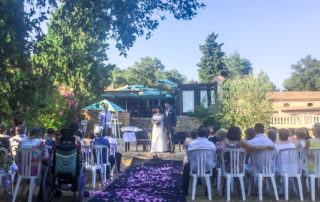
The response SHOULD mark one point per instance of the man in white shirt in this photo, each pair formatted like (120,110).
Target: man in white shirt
(258,140)
(201,142)
(113,147)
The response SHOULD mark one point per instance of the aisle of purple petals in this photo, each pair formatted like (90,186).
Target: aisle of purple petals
(146,180)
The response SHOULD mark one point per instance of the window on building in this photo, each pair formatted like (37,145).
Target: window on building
(310,104)
(286,104)
(213,97)
(204,98)
(187,101)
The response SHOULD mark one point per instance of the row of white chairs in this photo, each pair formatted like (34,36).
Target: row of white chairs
(93,161)
(264,166)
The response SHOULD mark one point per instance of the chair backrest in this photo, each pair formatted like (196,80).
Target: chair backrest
(233,161)
(142,135)
(312,159)
(92,155)
(201,162)
(105,153)
(29,162)
(293,160)
(264,161)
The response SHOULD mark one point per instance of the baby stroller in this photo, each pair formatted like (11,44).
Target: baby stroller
(65,171)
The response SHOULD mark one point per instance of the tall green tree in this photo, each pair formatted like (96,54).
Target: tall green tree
(147,72)
(244,102)
(212,61)
(305,75)
(237,65)
(81,28)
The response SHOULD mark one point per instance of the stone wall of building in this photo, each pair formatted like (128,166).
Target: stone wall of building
(184,123)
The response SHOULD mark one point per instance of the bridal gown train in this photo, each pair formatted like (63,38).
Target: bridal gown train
(158,140)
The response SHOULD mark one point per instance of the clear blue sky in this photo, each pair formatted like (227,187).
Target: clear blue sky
(272,34)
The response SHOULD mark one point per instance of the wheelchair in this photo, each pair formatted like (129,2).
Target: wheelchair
(65,171)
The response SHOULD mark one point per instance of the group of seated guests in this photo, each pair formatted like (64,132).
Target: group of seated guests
(43,141)
(255,140)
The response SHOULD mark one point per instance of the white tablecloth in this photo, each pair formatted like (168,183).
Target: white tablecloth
(129,137)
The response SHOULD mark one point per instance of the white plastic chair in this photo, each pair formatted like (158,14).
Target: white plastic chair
(312,169)
(106,164)
(93,161)
(26,169)
(201,166)
(294,169)
(233,161)
(264,167)
(10,173)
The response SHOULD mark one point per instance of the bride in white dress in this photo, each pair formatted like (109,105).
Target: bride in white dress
(158,140)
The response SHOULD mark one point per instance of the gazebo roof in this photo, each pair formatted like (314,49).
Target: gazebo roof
(98,106)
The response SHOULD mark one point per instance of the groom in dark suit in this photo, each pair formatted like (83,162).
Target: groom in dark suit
(170,121)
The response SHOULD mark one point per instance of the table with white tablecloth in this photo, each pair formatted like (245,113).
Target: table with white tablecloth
(129,135)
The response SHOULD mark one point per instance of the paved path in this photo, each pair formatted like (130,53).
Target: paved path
(146,180)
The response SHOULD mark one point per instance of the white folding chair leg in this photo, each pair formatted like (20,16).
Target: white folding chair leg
(251,178)
(274,185)
(228,187)
(307,184)
(16,189)
(104,173)
(242,188)
(300,187)
(194,185)
(31,188)
(93,178)
(313,184)
(219,178)
(286,186)
(260,186)
(209,187)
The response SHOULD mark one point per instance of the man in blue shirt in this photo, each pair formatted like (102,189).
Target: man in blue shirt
(105,117)
(100,140)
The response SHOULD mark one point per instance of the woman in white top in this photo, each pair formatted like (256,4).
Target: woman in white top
(283,143)
(158,140)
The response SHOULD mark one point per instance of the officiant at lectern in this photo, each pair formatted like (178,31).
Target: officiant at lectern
(105,117)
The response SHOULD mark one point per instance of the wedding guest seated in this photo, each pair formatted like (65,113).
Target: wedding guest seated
(250,133)
(16,121)
(283,143)
(4,138)
(77,132)
(221,135)
(100,140)
(301,136)
(15,140)
(50,138)
(233,140)
(107,134)
(258,140)
(306,130)
(34,141)
(90,139)
(191,136)
(292,138)
(201,142)
(7,163)
(314,143)
(272,135)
